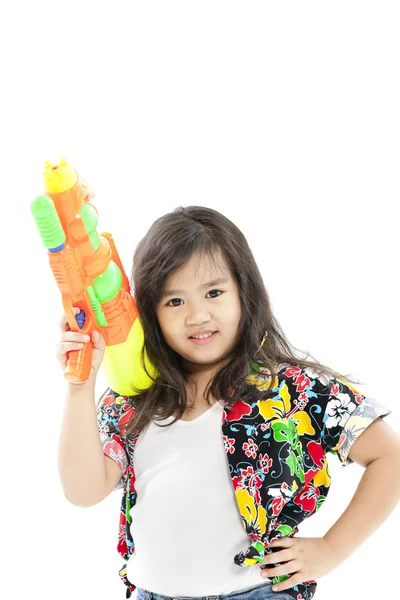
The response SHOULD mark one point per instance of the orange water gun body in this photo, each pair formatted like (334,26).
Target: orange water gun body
(90,275)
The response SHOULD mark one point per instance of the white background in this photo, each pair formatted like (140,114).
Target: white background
(284,117)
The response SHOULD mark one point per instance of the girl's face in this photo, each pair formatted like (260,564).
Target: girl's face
(193,300)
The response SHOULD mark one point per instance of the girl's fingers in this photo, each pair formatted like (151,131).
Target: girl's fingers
(63,322)
(98,340)
(74,336)
(65,347)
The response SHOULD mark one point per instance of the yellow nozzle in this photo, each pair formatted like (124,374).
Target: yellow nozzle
(58,177)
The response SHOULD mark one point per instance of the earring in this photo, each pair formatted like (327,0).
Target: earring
(263,340)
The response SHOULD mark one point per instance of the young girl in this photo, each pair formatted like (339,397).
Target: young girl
(224,455)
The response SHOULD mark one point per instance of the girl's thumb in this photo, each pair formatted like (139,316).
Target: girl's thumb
(96,337)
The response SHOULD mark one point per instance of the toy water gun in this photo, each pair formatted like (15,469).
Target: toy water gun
(90,275)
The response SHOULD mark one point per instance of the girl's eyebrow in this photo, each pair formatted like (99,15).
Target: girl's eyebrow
(205,285)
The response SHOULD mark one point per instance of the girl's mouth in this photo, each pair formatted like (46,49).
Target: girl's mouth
(204,341)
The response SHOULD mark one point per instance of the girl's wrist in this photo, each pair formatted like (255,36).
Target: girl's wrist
(81,387)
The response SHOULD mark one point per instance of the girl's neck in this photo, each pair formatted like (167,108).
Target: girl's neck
(195,397)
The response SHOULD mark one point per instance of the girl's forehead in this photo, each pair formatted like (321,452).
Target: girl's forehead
(201,269)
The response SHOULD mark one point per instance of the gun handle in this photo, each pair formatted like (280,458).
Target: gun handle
(79,364)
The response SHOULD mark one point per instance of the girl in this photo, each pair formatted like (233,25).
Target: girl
(225,454)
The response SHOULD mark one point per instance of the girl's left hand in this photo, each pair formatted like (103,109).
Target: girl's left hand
(309,558)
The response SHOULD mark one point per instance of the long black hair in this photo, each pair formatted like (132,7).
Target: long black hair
(169,244)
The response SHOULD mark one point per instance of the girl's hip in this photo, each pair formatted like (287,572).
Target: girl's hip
(257,592)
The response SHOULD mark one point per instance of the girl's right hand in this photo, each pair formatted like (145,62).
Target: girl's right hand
(73,340)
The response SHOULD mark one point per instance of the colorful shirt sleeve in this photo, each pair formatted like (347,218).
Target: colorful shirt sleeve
(346,414)
(110,410)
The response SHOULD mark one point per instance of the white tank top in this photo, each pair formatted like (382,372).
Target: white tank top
(186,524)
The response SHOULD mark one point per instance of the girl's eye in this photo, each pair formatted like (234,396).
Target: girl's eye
(219,293)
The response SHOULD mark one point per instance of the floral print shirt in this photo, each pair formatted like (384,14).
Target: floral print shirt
(276,450)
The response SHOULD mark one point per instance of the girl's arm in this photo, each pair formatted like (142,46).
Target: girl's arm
(81,462)
(378,493)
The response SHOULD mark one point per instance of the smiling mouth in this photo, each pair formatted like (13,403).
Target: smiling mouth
(192,337)
(203,341)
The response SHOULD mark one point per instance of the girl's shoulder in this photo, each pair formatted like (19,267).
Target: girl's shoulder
(114,411)
(259,368)
(295,376)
